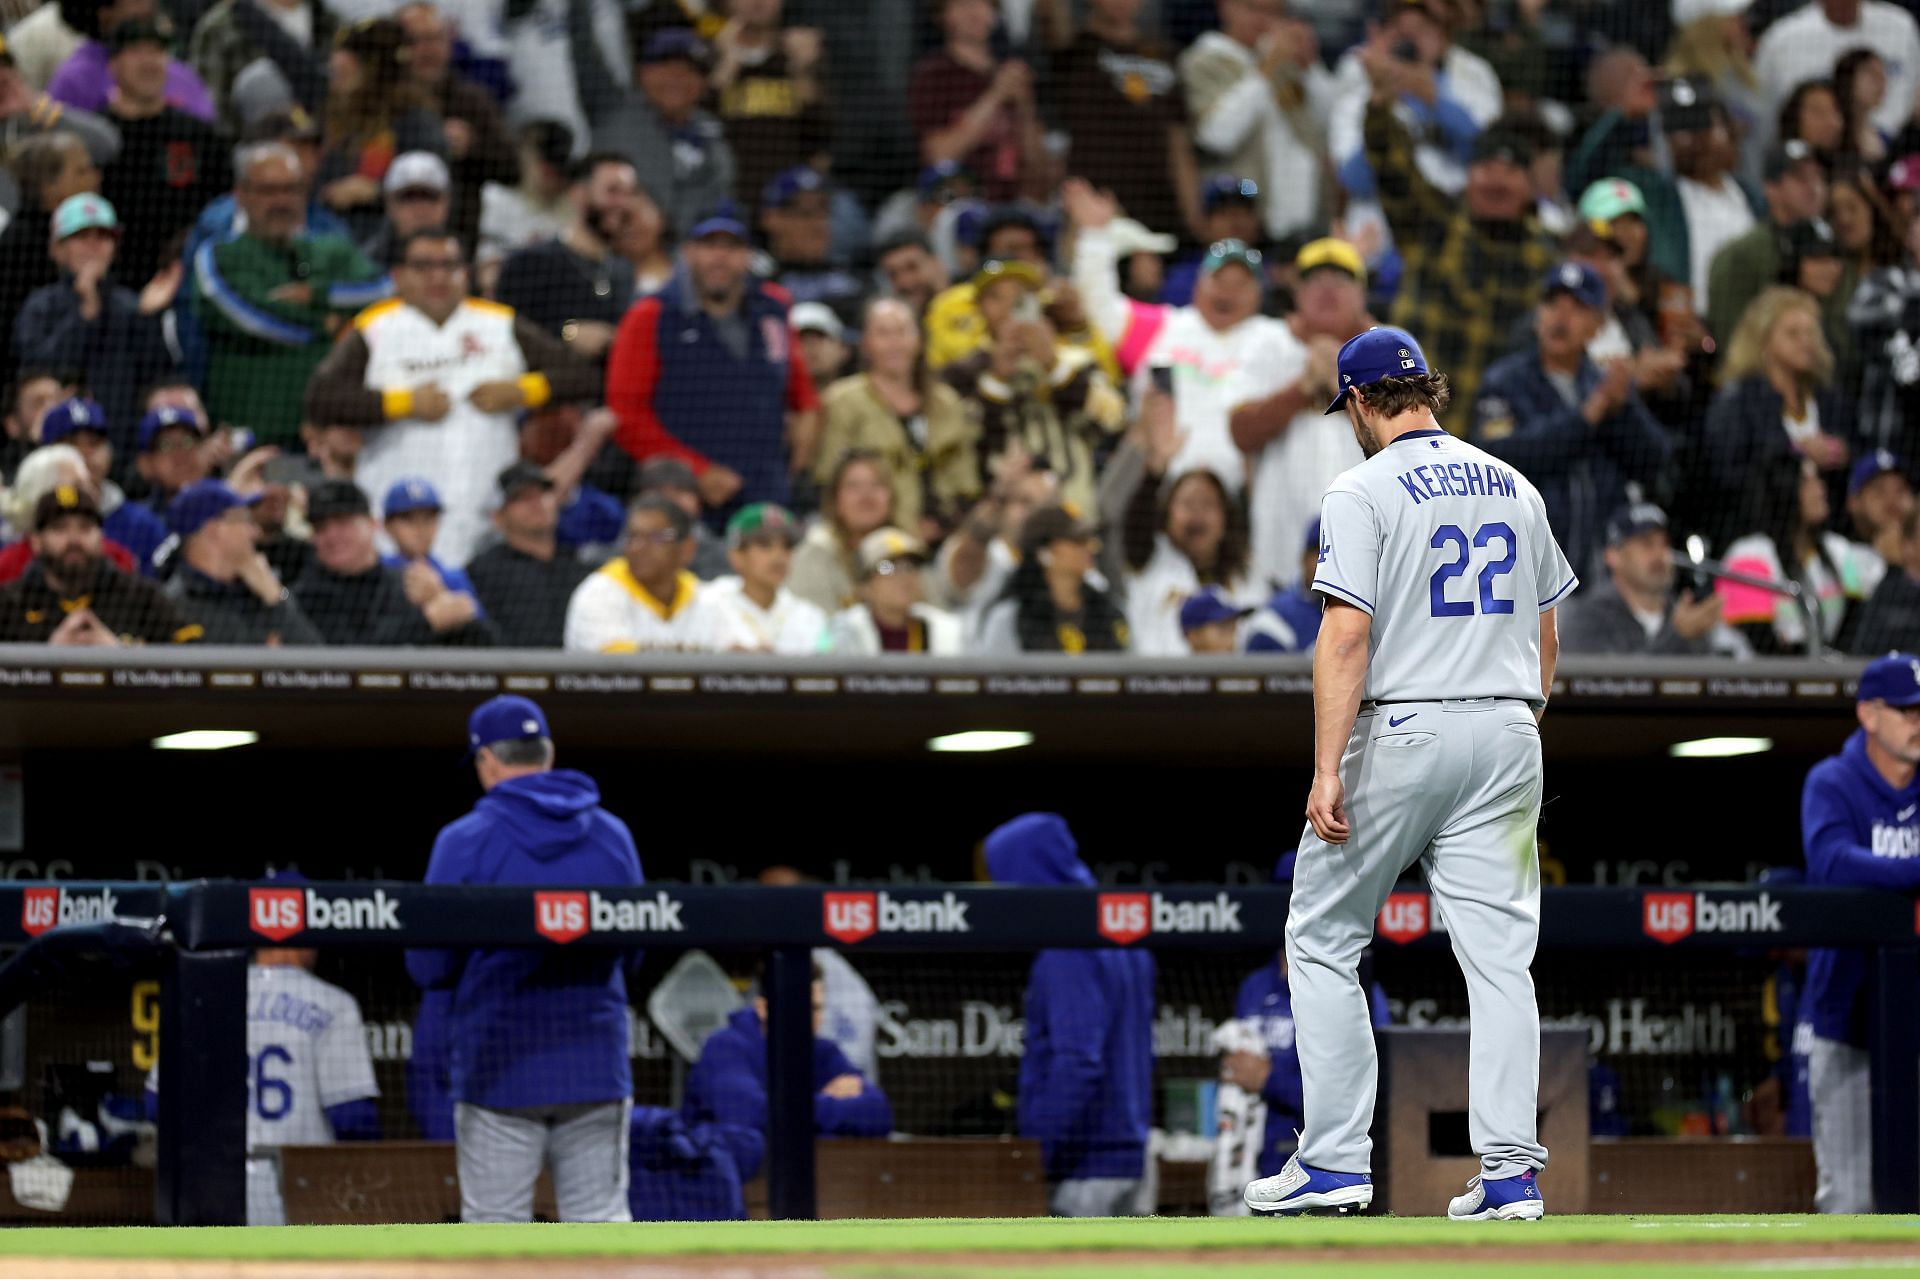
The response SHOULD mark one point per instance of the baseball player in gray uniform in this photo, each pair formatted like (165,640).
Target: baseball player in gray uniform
(1439,576)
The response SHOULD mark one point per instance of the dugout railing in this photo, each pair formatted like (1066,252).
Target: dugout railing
(195,938)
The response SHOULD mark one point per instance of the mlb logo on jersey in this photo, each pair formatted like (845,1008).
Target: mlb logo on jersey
(1405,918)
(849,917)
(1666,917)
(560,917)
(276,913)
(1125,917)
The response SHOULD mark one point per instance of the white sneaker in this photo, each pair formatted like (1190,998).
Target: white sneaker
(1298,1188)
(1506,1199)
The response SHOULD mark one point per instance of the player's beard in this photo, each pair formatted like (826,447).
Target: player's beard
(1369,442)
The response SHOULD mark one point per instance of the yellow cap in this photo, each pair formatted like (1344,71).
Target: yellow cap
(1331,252)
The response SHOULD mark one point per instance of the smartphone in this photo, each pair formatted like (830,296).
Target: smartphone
(1163,378)
(1027,309)
(287,468)
(1406,51)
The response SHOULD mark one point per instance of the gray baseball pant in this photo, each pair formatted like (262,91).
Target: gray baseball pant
(500,1153)
(1838,1079)
(1454,785)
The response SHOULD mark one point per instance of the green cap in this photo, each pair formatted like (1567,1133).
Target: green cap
(1607,199)
(1224,252)
(83,212)
(762,517)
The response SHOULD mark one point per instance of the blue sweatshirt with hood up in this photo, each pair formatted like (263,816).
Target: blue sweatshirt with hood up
(1857,831)
(535,1026)
(1086,1078)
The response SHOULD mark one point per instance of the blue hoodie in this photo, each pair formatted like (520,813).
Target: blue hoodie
(534,1026)
(1266,999)
(1086,1078)
(1858,831)
(727,1088)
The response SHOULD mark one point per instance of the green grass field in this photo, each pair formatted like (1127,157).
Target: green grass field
(946,1249)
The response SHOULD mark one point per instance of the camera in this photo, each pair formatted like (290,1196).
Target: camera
(1406,51)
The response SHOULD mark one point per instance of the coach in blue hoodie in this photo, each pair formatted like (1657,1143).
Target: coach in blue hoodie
(1859,826)
(1086,1079)
(538,1036)
(727,1087)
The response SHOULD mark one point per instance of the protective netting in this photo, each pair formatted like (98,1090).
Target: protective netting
(351,1119)
(865,326)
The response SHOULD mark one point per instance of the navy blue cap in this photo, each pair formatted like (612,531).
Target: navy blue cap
(677,43)
(505,719)
(1377,353)
(197,504)
(941,172)
(789,184)
(969,220)
(162,418)
(1580,281)
(1893,679)
(407,496)
(1870,467)
(723,219)
(1209,605)
(68,416)
(1313,535)
(1634,519)
(1222,187)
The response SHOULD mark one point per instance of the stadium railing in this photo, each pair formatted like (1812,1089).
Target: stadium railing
(197,937)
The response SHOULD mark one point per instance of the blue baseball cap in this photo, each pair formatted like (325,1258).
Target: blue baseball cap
(160,419)
(1209,605)
(1578,280)
(1313,535)
(198,504)
(722,219)
(407,496)
(1222,187)
(1379,352)
(677,44)
(941,172)
(1893,679)
(789,185)
(505,719)
(68,416)
(1866,470)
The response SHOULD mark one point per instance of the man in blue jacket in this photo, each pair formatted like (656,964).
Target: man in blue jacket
(1086,1078)
(1859,826)
(727,1087)
(1577,430)
(538,1037)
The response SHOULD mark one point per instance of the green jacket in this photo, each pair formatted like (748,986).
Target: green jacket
(261,351)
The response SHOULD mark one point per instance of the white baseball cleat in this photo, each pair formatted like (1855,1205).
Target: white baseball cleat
(1506,1199)
(1298,1188)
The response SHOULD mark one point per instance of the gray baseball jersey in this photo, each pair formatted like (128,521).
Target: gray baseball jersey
(1450,551)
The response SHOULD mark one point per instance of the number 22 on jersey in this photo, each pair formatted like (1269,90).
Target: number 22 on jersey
(1453,539)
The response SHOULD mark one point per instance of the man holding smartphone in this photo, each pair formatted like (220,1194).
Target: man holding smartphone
(1636,609)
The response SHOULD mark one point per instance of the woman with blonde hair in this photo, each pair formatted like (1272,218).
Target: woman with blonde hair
(1776,397)
(1711,41)
(895,408)
(857,499)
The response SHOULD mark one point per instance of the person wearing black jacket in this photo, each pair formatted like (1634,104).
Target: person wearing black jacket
(354,600)
(1634,611)
(1890,619)
(223,583)
(49,168)
(1048,605)
(72,594)
(524,581)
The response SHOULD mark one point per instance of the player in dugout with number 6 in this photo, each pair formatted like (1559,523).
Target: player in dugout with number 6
(1440,575)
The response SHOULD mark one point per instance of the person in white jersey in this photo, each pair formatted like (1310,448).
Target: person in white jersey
(1439,576)
(761,614)
(309,1073)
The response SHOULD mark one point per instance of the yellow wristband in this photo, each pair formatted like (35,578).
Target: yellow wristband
(396,403)
(535,388)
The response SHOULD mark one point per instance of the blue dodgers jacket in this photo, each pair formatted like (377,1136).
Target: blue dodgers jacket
(727,1088)
(1266,1000)
(534,1026)
(1581,471)
(1086,1078)
(1855,830)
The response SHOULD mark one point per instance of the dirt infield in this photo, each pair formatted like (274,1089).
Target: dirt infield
(1619,1257)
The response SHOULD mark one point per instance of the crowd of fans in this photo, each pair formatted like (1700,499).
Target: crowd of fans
(853,326)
